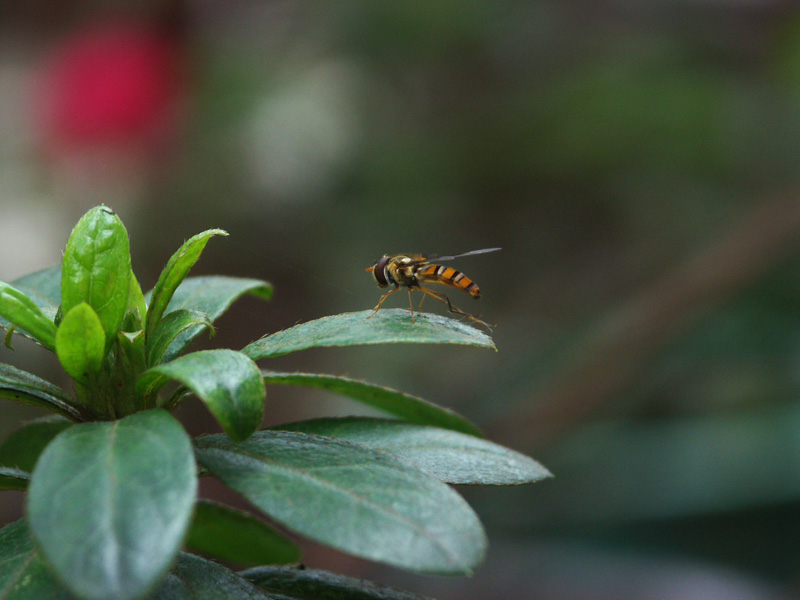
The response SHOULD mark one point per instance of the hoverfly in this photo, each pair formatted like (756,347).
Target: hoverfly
(410,270)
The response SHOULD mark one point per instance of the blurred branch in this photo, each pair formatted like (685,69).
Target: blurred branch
(614,354)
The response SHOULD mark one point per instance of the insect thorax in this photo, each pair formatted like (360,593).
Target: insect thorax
(402,272)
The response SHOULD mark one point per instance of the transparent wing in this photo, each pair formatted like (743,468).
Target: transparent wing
(470,253)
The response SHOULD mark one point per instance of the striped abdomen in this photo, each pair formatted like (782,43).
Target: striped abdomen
(449,276)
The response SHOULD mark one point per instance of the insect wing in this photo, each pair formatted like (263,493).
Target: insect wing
(470,253)
(417,259)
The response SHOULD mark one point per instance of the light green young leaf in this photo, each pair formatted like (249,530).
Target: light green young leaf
(27,388)
(129,364)
(137,307)
(110,502)
(173,274)
(448,455)
(358,500)
(405,406)
(20,311)
(238,537)
(24,575)
(313,584)
(43,287)
(211,295)
(147,387)
(169,328)
(352,329)
(81,343)
(97,269)
(132,349)
(228,383)
(8,336)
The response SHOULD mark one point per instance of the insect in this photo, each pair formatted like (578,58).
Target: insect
(410,270)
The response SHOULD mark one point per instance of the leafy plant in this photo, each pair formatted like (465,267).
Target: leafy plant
(112,477)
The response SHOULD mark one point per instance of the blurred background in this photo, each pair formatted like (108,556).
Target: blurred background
(639,164)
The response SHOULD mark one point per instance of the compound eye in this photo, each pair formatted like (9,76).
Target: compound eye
(379,271)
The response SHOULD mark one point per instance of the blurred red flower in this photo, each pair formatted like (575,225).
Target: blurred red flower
(112,84)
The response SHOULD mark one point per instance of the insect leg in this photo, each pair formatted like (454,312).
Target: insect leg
(421,301)
(453,309)
(386,295)
(410,305)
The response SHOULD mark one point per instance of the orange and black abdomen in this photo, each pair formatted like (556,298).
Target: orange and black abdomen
(449,276)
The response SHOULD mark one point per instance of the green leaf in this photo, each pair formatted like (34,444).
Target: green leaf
(194,578)
(22,448)
(44,288)
(405,406)
(173,274)
(81,343)
(447,455)
(21,312)
(235,536)
(25,387)
(97,269)
(8,336)
(110,502)
(313,584)
(131,346)
(137,307)
(227,381)
(170,327)
(147,386)
(352,329)
(364,502)
(13,479)
(128,366)
(24,576)
(212,296)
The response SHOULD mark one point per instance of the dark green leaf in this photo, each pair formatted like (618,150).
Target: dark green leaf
(212,296)
(173,274)
(28,388)
(81,343)
(405,406)
(97,269)
(358,500)
(352,329)
(13,479)
(447,455)
(110,502)
(170,327)
(23,575)
(312,584)
(21,312)
(194,578)
(22,448)
(228,383)
(235,536)
(44,288)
